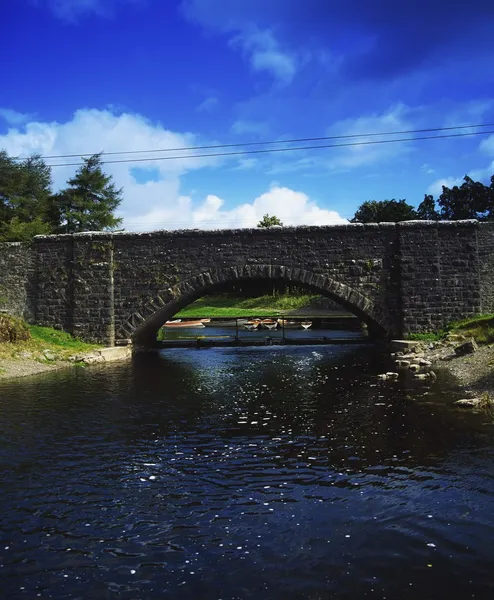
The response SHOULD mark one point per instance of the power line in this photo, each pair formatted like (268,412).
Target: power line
(274,150)
(269,142)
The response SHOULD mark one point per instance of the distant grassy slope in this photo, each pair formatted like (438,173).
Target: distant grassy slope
(229,306)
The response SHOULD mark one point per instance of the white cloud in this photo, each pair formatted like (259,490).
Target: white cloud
(242,126)
(265,54)
(158,202)
(13,117)
(482,174)
(436,188)
(395,119)
(291,207)
(487,145)
(208,104)
(428,170)
(73,10)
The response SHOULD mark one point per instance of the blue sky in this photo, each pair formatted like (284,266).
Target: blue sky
(125,75)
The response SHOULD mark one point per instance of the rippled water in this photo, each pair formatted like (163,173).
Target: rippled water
(276,473)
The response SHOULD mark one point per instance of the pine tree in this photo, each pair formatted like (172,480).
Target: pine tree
(88,204)
(25,192)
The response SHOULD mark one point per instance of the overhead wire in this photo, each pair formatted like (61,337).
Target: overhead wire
(272,142)
(277,150)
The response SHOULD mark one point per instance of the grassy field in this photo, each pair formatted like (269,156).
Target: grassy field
(61,344)
(230,306)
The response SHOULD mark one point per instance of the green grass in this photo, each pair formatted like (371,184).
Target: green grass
(231,306)
(62,344)
(426,337)
(59,340)
(480,328)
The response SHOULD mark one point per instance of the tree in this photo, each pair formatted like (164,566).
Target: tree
(471,200)
(25,191)
(384,211)
(427,209)
(88,204)
(269,221)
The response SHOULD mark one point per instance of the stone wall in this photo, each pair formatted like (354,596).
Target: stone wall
(400,278)
(17,285)
(440,277)
(485,237)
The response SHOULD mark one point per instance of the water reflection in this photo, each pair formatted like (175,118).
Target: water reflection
(239,473)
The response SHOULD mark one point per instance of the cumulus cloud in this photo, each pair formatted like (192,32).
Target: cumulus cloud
(153,198)
(13,117)
(291,207)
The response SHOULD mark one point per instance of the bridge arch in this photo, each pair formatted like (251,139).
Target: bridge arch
(143,325)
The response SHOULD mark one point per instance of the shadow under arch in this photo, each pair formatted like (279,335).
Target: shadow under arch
(143,324)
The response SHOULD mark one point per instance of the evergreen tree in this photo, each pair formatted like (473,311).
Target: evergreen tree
(89,201)
(25,191)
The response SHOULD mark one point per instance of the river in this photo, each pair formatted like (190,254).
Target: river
(238,473)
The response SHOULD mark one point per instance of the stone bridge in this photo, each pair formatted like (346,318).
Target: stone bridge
(103,287)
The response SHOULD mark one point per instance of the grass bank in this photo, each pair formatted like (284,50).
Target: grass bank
(480,328)
(232,306)
(33,341)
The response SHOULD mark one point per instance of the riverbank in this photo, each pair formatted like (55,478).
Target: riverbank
(33,350)
(474,372)
(471,365)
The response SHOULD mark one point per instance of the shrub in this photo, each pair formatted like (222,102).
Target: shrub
(13,329)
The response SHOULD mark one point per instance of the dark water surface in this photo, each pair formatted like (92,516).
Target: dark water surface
(272,473)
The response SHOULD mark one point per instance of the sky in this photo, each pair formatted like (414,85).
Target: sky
(86,76)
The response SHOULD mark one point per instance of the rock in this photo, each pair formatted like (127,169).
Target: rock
(425,376)
(468,347)
(453,337)
(389,376)
(402,364)
(448,356)
(404,345)
(26,354)
(421,376)
(469,402)
(423,362)
(49,355)
(414,368)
